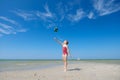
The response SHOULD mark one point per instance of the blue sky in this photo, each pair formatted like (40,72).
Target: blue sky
(92,28)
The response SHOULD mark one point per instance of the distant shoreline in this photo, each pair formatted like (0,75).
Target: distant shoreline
(51,59)
(19,64)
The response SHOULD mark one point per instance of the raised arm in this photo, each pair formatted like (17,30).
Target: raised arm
(58,41)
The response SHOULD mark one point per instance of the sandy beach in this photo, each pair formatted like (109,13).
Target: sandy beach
(81,71)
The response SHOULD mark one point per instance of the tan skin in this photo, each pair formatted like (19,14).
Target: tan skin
(64,56)
(65,62)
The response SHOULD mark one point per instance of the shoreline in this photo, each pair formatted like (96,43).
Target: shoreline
(35,65)
(50,59)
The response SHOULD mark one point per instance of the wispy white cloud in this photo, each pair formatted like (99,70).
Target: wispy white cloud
(90,15)
(25,15)
(48,12)
(12,28)
(3,31)
(65,11)
(45,15)
(78,16)
(7,29)
(5,26)
(105,7)
(60,9)
(9,20)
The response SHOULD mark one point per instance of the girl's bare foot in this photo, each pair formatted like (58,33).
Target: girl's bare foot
(65,69)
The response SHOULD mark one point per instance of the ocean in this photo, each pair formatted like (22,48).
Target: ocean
(26,64)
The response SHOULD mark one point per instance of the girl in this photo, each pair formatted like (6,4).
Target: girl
(65,51)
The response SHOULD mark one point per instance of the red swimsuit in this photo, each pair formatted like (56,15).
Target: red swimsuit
(65,50)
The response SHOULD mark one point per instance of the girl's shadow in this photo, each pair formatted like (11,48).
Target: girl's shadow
(74,69)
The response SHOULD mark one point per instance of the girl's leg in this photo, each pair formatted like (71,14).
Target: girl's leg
(65,62)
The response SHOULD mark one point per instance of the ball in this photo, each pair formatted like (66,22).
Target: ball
(56,29)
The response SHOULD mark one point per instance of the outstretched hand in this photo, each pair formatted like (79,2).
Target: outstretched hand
(57,40)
